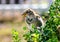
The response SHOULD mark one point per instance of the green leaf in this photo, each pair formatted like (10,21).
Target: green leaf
(24,28)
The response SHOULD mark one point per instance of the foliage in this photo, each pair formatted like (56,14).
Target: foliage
(49,32)
(24,28)
(55,8)
(15,36)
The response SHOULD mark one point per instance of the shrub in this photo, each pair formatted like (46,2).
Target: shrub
(15,36)
(49,32)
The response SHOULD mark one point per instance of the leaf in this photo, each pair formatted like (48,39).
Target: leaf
(24,28)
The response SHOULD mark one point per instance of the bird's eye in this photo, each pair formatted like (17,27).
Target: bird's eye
(31,19)
(28,18)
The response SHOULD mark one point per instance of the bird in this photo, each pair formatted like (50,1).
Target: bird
(31,17)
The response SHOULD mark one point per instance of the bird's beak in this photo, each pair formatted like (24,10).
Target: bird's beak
(24,14)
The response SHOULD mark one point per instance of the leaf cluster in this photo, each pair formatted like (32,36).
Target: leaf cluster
(15,36)
(48,33)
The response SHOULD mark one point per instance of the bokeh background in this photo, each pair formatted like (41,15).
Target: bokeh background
(11,16)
